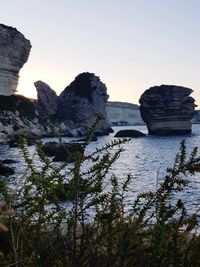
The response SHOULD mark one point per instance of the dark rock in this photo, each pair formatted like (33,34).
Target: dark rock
(13,143)
(129,133)
(5,170)
(8,161)
(82,102)
(47,99)
(31,139)
(62,151)
(167,110)
(20,104)
(18,116)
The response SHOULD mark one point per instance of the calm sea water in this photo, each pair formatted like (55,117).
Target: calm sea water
(146,159)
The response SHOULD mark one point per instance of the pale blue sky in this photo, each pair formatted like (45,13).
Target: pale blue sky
(130,44)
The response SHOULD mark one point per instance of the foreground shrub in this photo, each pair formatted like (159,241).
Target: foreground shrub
(93,228)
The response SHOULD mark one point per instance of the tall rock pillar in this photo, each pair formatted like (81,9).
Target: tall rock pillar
(14,52)
(167,110)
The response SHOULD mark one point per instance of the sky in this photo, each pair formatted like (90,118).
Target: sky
(130,44)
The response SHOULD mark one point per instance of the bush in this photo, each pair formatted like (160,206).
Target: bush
(38,230)
(24,105)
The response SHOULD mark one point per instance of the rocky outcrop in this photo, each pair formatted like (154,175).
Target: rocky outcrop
(47,99)
(77,108)
(62,151)
(167,109)
(82,102)
(5,170)
(14,52)
(8,161)
(18,116)
(129,133)
(70,114)
(123,114)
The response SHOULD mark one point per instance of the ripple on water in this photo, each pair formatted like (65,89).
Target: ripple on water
(146,159)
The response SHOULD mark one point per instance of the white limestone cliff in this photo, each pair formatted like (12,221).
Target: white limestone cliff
(123,114)
(14,52)
(167,109)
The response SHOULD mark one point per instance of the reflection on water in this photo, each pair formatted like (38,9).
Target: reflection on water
(144,158)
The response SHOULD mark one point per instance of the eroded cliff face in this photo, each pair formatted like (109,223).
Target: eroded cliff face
(78,106)
(123,114)
(18,115)
(14,52)
(167,110)
(47,99)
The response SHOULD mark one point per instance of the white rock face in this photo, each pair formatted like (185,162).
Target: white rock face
(122,114)
(14,52)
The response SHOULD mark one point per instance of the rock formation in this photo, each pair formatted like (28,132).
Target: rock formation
(123,114)
(82,102)
(47,99)
(196,117)
(5,170)
(18,115)
(167,109)
(14,52)
(129,133)
(62,151)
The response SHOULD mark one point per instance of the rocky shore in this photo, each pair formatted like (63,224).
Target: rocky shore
(73,113)
(82,105)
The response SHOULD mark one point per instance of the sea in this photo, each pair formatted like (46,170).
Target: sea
(145,159)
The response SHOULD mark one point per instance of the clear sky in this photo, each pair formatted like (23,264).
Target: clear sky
(131,44)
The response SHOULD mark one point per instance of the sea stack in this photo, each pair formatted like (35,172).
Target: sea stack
(167,110)
(82,102)
(15,49)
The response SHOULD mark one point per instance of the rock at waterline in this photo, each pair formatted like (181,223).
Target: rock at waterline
(62,151)
(5,170)
(8,161)
(129,133)
(15,49)
(167,110)
(31,139)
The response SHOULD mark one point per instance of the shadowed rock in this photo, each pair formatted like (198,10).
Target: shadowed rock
(129,133)
(5,170)
(8,161)
(14,53)
(167,110)
(83,101)
(47,99)
(62,151)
